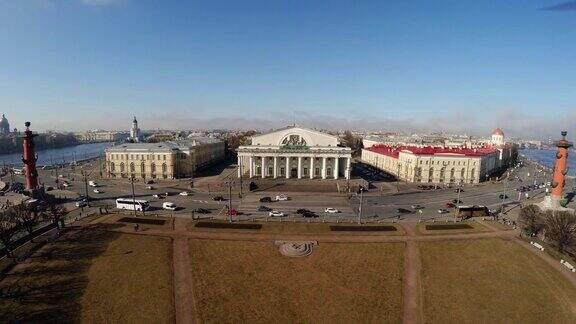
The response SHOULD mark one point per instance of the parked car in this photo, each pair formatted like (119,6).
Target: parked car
(503,196)
(97,191)
(281,197)
(157,196)
(149,181)
(266,199)
(149,187)
(417,206)
(169,206)
(92,183)
(49,188)
(185,193)
(276,213)
(443,211)
(331,210)
(218,198)
(450,205)
(264,208)
(457,201)
(403,211)
(65,185)
(202,211)
(232,212)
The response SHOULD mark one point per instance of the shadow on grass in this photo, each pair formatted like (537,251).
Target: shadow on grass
(47,288)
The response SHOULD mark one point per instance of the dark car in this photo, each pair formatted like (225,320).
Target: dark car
(202,211)
(457,201)
(503,196)
(309,214)
(460,189)
(264,208)
(403,211)
(218,198)
(302,211)
(450,205)
(266,199)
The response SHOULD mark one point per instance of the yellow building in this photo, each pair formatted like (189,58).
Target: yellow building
(165,160)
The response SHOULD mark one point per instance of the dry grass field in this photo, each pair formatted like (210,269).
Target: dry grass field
(492,281)
(250,282)
(92,275)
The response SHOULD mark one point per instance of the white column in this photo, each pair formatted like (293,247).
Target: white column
(336,160)
(324,167)
(263,166)
(311,167)
(275,167)
(347,168)
(299,167)
(239,165)
(287,167)
(251,166)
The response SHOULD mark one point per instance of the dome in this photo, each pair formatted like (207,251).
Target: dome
(4,125)
(498,131)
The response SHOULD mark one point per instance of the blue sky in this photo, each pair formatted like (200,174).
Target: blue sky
(440,65)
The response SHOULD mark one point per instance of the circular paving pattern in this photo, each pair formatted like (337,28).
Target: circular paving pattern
(296,248)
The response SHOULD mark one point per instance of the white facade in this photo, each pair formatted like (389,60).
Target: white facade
(295,152)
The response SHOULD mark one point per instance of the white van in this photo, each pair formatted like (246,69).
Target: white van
(169,206)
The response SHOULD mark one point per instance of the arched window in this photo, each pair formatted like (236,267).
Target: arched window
(462,173)
(142,167)
(112,167)
(121,166)
(452,175)
(442,172)
(164,168)
(132,168)
(153,168)
(431,173)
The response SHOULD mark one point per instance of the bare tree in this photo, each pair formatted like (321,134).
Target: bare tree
(28,216)
(532,218)
(353,142)
(561,230)
(9,227)
(55,213)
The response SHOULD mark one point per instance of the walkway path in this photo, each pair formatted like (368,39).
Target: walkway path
(185,306)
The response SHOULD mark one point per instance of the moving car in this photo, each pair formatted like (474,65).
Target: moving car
(457,201)
(185,193)
(309,214)
(450,205)
(97,191)
(232,212)
(92,183)
(331,210)
(169,206)
(149,187)
(202,211)
(81,203)
(443,211)
(150,182)
(403,211)
(276,213)
(503,196)
(302,211)
(266,199)
(157,196)
(417,206)
(264,208)
(281,197)
(218,198)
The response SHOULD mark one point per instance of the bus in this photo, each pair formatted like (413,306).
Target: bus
(131,204)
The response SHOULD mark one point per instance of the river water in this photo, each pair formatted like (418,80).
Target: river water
(59,155)
(548,158)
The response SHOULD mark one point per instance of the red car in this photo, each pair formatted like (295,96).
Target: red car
(450,205)
(232,212)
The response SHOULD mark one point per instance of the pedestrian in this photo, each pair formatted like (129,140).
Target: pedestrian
(136,227)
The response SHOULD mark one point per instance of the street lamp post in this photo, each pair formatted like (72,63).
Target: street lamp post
(360,208)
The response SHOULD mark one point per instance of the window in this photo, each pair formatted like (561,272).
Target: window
(305,171)
(132,168)
(142,167)
(317,172)
(164,168)
(112,167)
(152,169)
(122,167)
(282,172)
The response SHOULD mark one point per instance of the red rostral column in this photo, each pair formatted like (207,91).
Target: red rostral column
(560,168)
(29,158)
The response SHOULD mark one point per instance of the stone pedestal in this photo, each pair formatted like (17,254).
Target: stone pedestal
(552,203)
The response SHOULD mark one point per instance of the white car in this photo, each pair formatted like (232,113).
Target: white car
(331,210)
(169,206)
(92,183)
(184,193)
(443,211)
(417,206)
(281,198)
(97,191)
(65,185)
(276,213)
(157,196)
(149,187)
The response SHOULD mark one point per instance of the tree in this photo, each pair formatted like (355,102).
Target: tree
(28,216)
(9,227)
(531,218)
(561,230)
(55,213)
(353,142)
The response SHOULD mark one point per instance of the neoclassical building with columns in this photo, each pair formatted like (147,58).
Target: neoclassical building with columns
(295,152)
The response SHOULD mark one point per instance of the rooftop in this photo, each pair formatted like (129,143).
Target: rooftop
(431,151)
